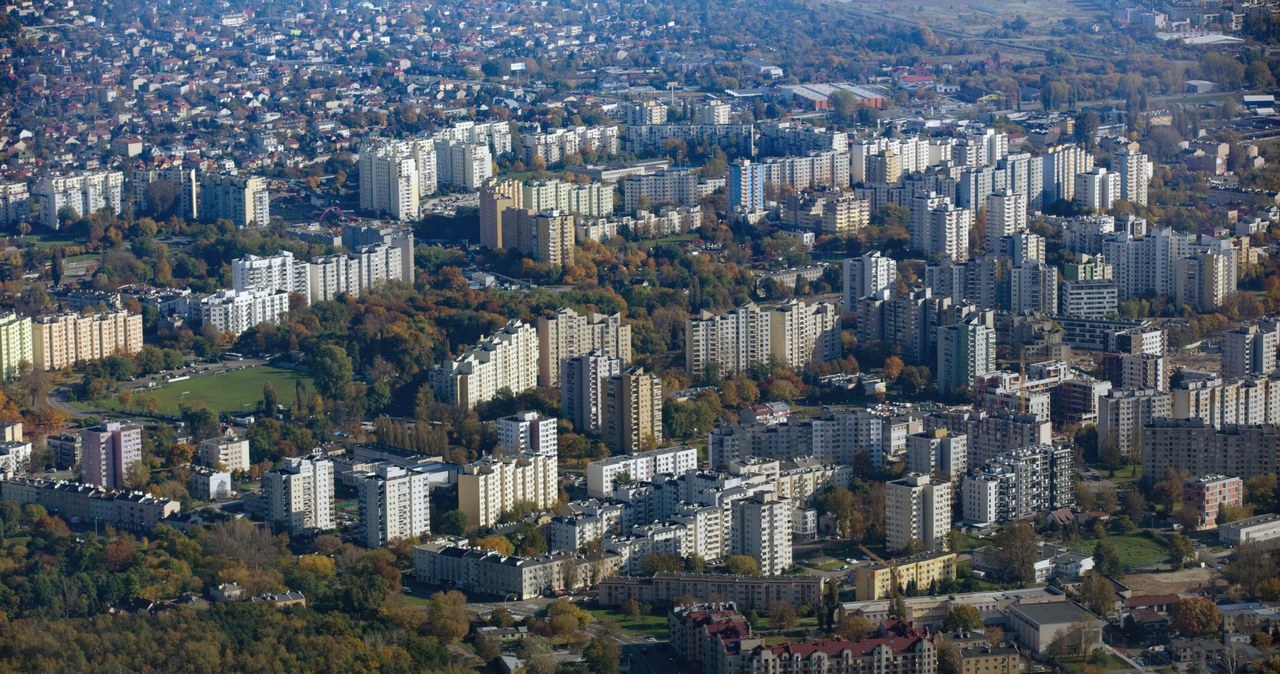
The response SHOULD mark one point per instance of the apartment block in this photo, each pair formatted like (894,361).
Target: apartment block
(1088,299)
(632,411)
(483,571)
(567,333)
(795,333)
(1006,215)
(938,452)
(760,593)
(1019,483)
(396,175)
(210,484)
(394,505)
(640,467)
(235,312)
(81,194)
(1135,170)
(134,511)
(506,360)
(242,199)
(107,453)
(917,508)
(271,273)
(1250,349)
(966,351)
(491,486)
(875,580)
(528,432)
(1200,449)
(230,453)
(299,495)
(1208,493)
(762,529)
(583,388)
(15,204)
(16,347)
(871,274)
(64,340)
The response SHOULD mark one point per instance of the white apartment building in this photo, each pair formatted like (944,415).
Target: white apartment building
(868,275)
(917,507)
(63,340)
(16,346)
(762,529)
(279,272)
(463,164)
(640,468)
(1006,215)
(242,199)
(940,453)
(83,193)
(1250,349)
(528,432)
(554,145)
(589,199)
(491,486)
(1020,483)
(1098,189)
(1123,413)
(1060,166)
(1135,170)
(949,232)
(1088,299)
(507,359)
(966,351)
(1033,287)
(231,453)
(209,484)
(567,334)
(795,333)
(677,187)
(234,312)
(396,175)
(15,204)
(299,495)
(355,273)
(394,505)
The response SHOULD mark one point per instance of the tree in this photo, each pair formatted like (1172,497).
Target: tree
(855,627)
(892,368)
(1181,550)
(783,616)
(270,401)
(963,617)
(138,475)
(331,370)
(453,523)
(602,656)
(1196,615)
(498,544)
(447,616)
(1106,559)
(1250,566)
(742,565)
(1098,594)
(1018,552)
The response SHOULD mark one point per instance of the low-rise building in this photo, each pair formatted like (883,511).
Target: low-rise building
(210,484)
(135,511)
(453,564)
(760,593)
(1263,529)
(1208,493)
(1038,626)
(230,453)
(876,580)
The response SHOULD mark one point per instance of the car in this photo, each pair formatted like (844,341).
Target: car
(650,639)
(407,589)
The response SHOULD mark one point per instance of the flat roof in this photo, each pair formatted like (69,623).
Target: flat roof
(1053,613)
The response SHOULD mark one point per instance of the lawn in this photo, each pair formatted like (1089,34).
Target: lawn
(1134,549)
(648,625)
(236,391)
(1112,664)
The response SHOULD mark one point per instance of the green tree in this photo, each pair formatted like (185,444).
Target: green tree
(332,371)
(1098,594)
(447,616)
(1181,550)
(1018,552)
(742,565)
(602,656)
(453,523)
(962,617)
(1107,559)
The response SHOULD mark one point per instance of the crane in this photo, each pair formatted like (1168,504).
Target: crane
(893,568)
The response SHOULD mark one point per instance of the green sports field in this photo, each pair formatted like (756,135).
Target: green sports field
(237,391)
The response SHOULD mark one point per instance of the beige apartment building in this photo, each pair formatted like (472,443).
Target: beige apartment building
(63,340)
(633,411)
(491,486)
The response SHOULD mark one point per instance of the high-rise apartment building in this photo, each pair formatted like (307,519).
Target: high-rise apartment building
(966,350)
(528,432)
(1194,446)
(242,199)
(567,333)
(500,202)
(917,508)
(868,275)
(1033,287)
(1208,493)
(506,360)
(949,232)
(762,529)
(463,164)
(1098,189)
(108,452)
(1135,170)
(234,312)
(582,389)
(632,411)
(15,204)
(232,454)
(396,175)
(394,505)
(1088,299)
(16,345)
(491,486)
(746,185)
(1250,349)
(63,340)
(795,333)
(82,193)
(1006,215)
(547,237)
(940,453)
(299,495)
(279,272)
(1023,482)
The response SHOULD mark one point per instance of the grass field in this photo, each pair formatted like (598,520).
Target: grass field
(1134,549)
(1113,664)
(649,624)
(236,391)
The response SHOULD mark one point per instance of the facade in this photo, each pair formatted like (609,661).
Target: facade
(1200,449)
(567,333)
(357,272)
(875,580)
(761,593)
(134,511)
(242,199)
(108,451)
(632,411)
(868,275)
(1088,299)
(795,333)
(394,505)
(81,193)
(299,495)
(918,508)
(64,340)
(966,351)
(484,571)
(1135,170)
(1039,625)
(1208,493)
(1124,413)
(528,432)
(1006,215)
(602,475)
(1250,349)
(762,530)
(235,312)
(1023,482)
(209,484)
(491,486)
(746,186)
(903,649)
(396,175)
(506,360)
(1098,189)
(938,452)
(16,347)
(15,204)
(583,388)
(1263,529)
(271,273)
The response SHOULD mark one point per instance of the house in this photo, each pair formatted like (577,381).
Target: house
(1155,627)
